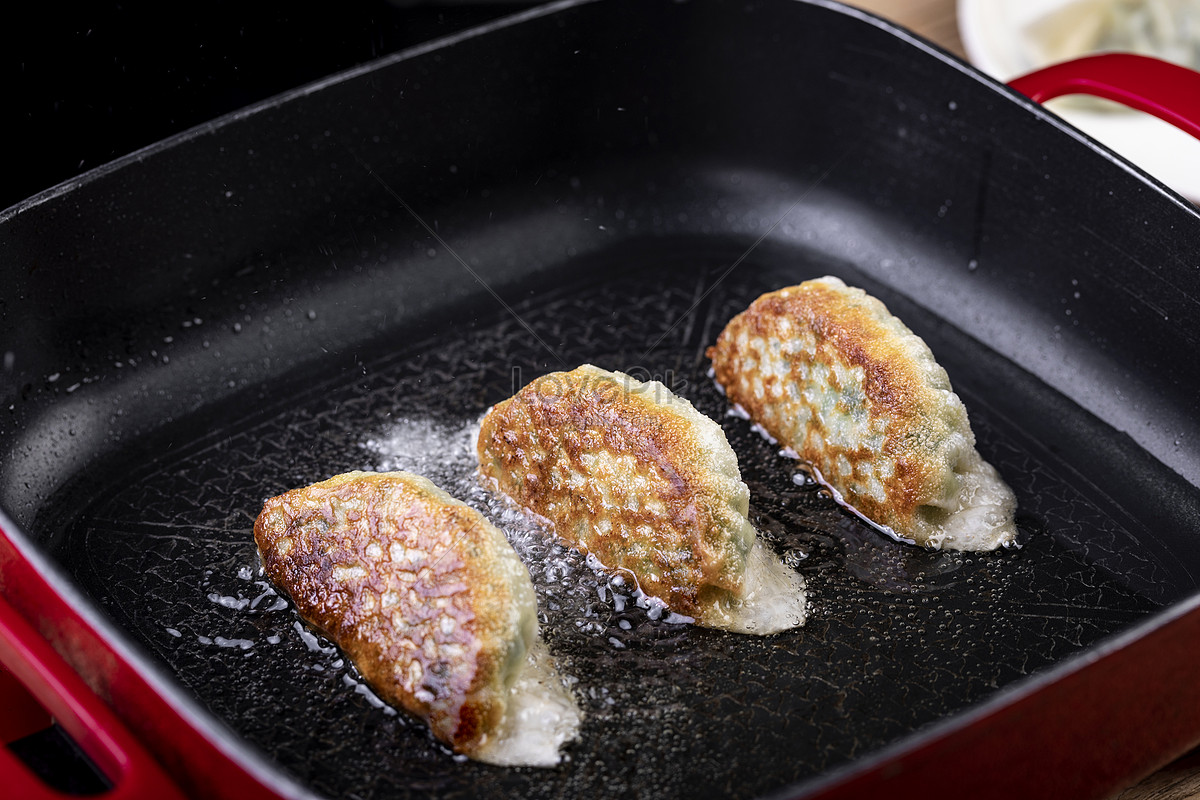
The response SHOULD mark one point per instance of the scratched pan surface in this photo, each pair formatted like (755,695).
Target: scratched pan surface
(348,277)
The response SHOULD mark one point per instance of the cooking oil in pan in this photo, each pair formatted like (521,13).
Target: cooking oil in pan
(652,691)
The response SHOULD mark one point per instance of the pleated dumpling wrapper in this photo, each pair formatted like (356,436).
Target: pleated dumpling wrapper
(829,372)
(633,475)
(430,603)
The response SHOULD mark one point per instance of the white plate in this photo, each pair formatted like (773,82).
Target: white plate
(997,39)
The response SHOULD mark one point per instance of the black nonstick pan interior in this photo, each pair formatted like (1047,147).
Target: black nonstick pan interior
(350,277)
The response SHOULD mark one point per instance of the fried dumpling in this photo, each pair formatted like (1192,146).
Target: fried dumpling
(825,369)
(633,475)
(430,603)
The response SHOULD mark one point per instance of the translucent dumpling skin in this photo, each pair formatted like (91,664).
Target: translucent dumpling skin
(427,599)
(829,372)
(632,474)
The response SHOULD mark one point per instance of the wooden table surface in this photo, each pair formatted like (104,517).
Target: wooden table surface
(936,20)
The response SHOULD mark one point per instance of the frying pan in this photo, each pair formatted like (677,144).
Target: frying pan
(350,274)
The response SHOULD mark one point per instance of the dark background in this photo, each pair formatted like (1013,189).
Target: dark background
(85,84)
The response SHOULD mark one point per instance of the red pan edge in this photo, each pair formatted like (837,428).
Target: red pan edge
(1084,729)
(123,709)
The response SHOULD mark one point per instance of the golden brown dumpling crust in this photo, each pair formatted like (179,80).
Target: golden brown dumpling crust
(828,371)
(423,594)
(630,473)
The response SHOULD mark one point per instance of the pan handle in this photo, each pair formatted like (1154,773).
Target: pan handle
(1166,90)
(94,728)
